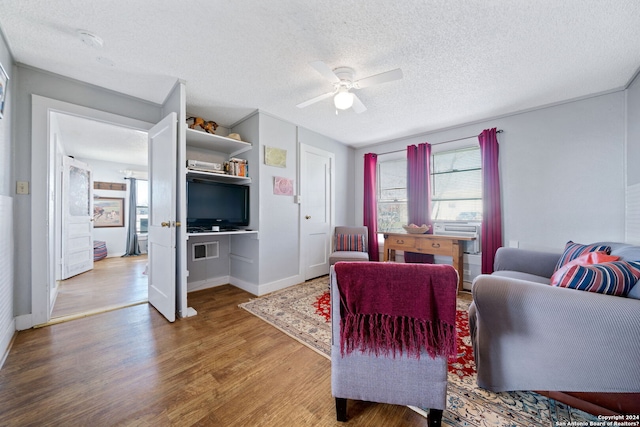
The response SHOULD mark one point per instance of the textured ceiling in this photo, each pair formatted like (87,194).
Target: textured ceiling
(462,60)
(90,139)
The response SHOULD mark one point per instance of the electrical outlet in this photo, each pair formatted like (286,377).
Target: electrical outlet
(22,187)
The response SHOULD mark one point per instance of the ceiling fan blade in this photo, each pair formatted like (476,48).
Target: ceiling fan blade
(387,76)
(358,106)
(316,99)
(326,72)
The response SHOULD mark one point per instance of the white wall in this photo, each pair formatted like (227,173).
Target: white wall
(561,170)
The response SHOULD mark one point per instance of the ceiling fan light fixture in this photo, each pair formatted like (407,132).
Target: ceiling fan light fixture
(343,99)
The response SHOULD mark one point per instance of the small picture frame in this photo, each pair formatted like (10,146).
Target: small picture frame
(275,157)
(108,212)
(4,79)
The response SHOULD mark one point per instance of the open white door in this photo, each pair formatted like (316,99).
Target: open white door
(162,216)
(316,184)
(77,225)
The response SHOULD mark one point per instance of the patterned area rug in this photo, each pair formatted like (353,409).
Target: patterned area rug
(303,312)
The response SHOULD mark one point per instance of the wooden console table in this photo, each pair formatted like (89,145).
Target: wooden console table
(427,244)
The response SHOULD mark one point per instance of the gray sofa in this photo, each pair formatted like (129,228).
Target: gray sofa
(528,335)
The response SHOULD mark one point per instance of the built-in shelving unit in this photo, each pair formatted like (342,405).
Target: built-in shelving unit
(213,142)
(218,176)
(220,144)
(218,233)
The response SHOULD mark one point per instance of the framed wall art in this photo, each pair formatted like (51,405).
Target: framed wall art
(108,212)
(275,157)
(4,79)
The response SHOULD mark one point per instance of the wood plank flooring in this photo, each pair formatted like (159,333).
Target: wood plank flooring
(130,367)
(113,282)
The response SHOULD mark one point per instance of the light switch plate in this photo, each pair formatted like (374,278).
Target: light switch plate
(22,187)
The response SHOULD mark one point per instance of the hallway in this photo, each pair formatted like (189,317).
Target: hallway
(113,283)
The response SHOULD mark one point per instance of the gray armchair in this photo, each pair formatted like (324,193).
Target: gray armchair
(339,254)
(400,378)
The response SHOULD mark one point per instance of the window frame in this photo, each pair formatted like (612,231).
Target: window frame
(380,189)
(138,206)
(433,174)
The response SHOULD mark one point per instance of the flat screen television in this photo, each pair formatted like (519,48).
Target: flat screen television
(212,203)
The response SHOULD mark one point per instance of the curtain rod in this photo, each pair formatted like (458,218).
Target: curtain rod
(436,143)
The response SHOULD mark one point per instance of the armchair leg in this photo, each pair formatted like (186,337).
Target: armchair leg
(434,418)
(341,409)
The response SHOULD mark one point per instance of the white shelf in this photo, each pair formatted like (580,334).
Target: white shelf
(218,233)
(212,176)
(222,144)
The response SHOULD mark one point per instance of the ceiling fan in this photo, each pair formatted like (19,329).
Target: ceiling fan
(343,83)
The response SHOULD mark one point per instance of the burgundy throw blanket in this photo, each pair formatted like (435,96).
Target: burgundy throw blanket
(390,308)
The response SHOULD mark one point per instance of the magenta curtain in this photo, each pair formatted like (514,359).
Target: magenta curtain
(370,217)
(491,215)
(419,193)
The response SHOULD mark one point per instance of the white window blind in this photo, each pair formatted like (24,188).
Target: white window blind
(456,182)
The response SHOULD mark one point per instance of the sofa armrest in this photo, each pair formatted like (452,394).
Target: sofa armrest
(526,261)
(532,336)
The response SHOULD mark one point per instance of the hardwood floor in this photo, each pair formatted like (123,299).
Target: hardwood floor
(113,283)
(223,367)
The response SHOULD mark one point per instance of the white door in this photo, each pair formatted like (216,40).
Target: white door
(77,225)
(161,243)
(316,189)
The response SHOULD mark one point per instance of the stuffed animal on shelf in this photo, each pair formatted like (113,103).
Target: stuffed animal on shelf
(208,126)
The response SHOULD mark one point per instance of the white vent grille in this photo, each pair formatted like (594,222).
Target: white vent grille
(205,250)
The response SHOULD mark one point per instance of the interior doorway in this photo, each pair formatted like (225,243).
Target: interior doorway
(317,189)
(113,153)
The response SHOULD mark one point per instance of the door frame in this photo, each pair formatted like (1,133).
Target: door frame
(332,209)
(43,195)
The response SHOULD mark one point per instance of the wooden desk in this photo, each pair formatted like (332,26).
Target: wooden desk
(427,244)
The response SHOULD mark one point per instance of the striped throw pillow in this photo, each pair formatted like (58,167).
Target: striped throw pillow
(574,250)
(611,278)
(350,242)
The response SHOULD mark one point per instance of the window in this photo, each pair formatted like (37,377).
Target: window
(456,189)
(456,185)
(392,195)
(142,206)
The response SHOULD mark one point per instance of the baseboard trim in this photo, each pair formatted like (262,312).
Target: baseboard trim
(252,288)
(23,322)
(8,335)
(209,283)
(267,288)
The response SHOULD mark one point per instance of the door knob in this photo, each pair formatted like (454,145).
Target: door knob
(165,224)
(177,224)
(308,217)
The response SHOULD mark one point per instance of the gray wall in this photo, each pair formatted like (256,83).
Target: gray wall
(272,259)
(6,60)
(562,171)
(633,132)
(30,81)
(633,160)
